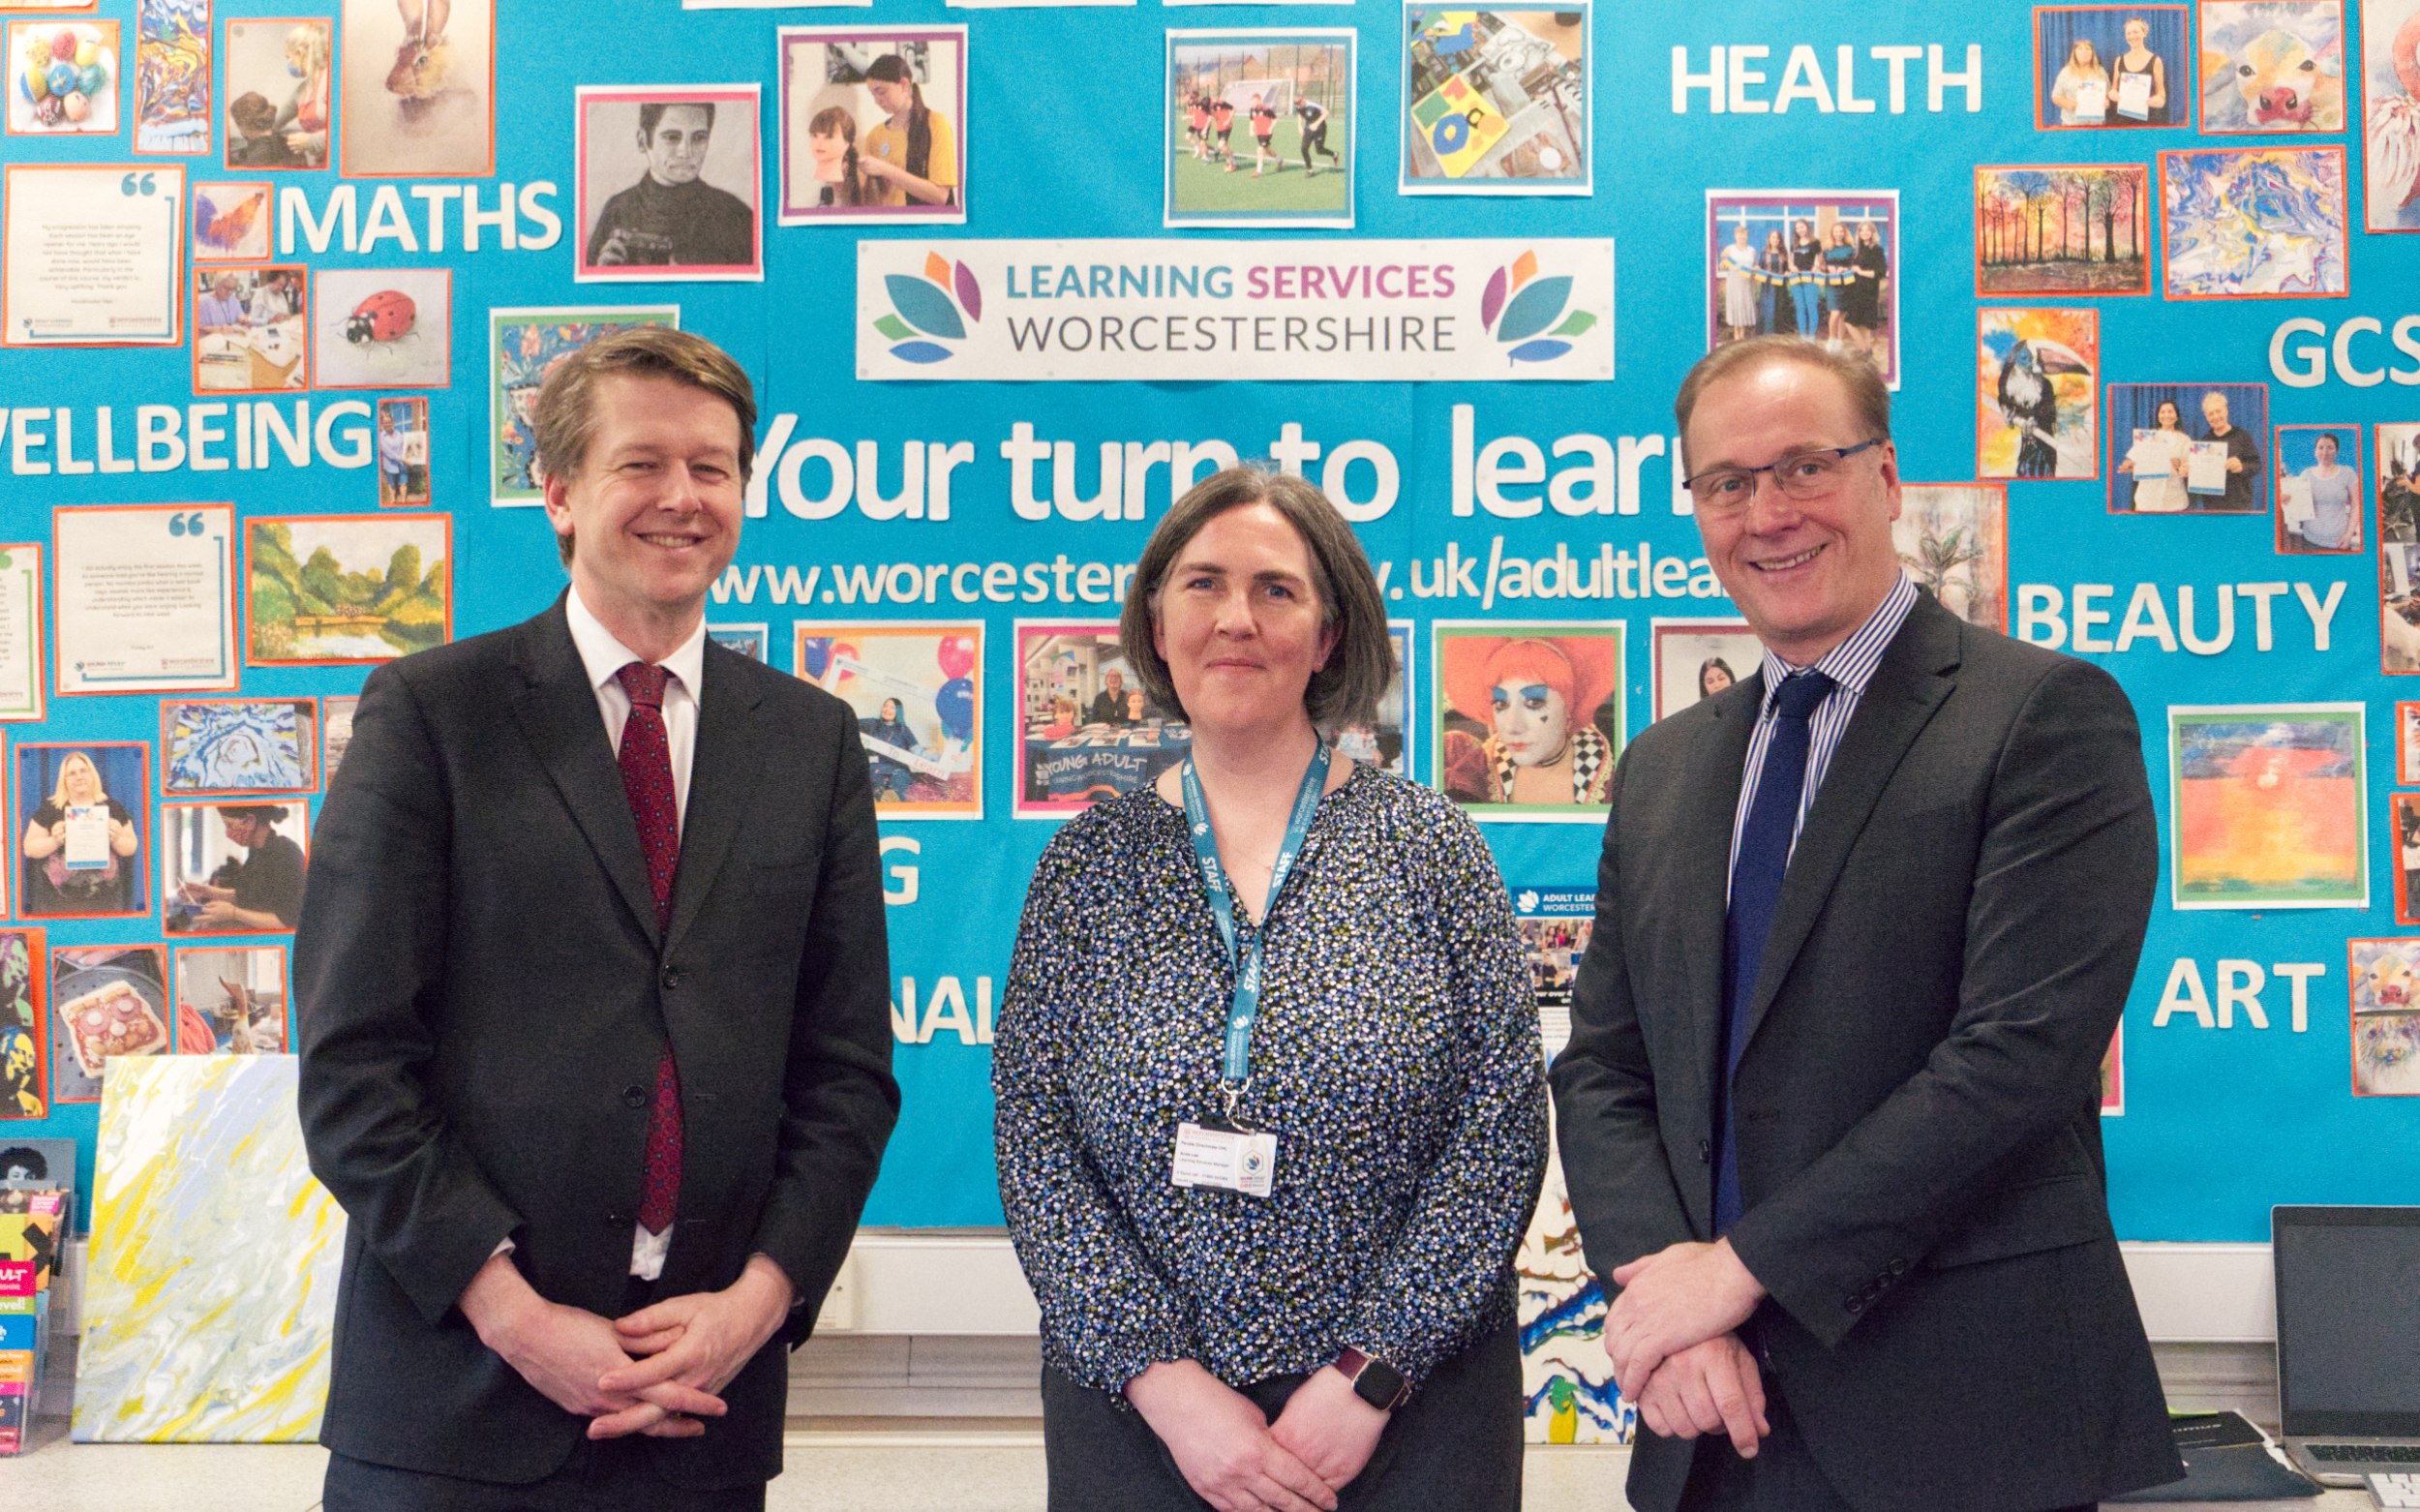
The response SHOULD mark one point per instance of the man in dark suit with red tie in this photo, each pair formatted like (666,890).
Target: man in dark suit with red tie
(594,1003)
(1865,921)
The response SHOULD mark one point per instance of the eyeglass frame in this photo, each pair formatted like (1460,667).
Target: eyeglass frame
(1836,453)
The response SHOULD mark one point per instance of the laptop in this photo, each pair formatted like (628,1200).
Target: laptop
(2348,1339)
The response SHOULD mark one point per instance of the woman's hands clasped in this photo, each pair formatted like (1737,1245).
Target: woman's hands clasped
(1232,1456)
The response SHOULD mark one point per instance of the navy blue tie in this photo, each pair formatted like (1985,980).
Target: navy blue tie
(1755,888)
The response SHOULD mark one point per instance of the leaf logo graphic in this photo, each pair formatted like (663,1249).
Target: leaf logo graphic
(1528,304)
(923,313)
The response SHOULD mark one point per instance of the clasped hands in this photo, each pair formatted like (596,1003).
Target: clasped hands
(1671,1338)
(1239,1460)
(654,1372)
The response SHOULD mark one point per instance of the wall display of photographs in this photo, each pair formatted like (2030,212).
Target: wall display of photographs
(2255,222)
(873,125)
(21,686)
(669,180)
(2109,65)
(1388,743)
(231,1000)
(238,748)
(233,867)
(1698,658)
(1568,1393)
(107,1001)
(336,732)
(402,453)
(419,89)
(66,75)
(252,329)
(383,328)
(2063,228)
(2113,1076)
(1497,103)
(279,74)
(331,590)
(2390,136)
(2399,607)
(25,1090)
(752,640)
(1528,717)
(2386,1016)
(2321,500)
(1843,246)
(523,347)
(918,691)
(231,222)
(2266,806)
(2404,826)
(82,836)
(1953,540)
(2408,744)
(2272,66)
(2037,387)
(2396,454)
(1090,732)
(173,110)
(1249,88)
(2188,448)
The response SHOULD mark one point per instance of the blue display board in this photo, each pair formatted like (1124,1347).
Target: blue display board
(980,497)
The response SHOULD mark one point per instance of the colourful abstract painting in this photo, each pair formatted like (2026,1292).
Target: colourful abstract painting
(173,110)
(1568,1394)
(2255,222)
(2386,1016)
(2268,806)
(2037,394)
(210,1290)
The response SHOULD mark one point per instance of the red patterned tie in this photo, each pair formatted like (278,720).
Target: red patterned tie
(646,778)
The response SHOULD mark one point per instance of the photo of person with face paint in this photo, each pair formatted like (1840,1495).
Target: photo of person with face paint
(694,154)
(1530,720)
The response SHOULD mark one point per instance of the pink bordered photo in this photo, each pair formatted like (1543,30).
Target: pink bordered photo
(671,180)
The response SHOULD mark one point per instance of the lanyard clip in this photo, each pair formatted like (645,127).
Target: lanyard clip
(1233,1093)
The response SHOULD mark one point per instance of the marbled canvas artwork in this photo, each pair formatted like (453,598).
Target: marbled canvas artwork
(210,1290)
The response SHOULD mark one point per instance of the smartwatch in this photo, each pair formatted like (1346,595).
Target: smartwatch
(1374,1381)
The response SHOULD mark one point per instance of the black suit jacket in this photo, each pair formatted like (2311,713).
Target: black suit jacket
(484,996)
(1916,1109)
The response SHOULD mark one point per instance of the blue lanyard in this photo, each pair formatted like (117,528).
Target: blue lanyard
(1237,1073)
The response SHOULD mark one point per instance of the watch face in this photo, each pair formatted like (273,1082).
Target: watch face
(1380,1384)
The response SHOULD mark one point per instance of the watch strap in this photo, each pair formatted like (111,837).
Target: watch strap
(1374,1381)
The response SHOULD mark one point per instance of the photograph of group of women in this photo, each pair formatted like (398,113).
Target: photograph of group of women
(2188,448)
(872,125)
(1816,263)
(2110,65)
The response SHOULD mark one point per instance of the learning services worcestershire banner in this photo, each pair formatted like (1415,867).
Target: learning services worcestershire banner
(1147,311)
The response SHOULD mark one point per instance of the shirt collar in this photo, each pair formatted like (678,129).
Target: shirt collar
(603,656)
(1851,664)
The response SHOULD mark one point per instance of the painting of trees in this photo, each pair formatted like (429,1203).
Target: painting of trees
(2063,230)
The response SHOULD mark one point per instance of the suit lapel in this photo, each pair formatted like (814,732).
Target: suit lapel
(1916,673)
(558,712)
(722,786)
(1702,814)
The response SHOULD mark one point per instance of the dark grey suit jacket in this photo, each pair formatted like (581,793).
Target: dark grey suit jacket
(484,995)
(1916,1109)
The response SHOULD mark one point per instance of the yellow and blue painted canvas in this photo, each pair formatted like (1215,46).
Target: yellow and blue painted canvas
(210,1291)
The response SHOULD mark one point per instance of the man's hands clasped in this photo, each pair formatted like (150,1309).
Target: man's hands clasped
(1671,1338)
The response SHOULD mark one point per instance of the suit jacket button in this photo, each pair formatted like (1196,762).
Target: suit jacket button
(634,1098)
(619,1220)
(1899,1267)
(1855,1304)
(1706,1152)
(672,979)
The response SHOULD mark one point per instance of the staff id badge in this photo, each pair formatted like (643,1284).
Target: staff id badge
(1232,1159)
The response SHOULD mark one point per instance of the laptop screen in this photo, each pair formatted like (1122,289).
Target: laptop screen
(2347,1320)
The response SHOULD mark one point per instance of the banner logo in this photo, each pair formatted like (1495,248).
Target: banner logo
(1533,305)
(923,308)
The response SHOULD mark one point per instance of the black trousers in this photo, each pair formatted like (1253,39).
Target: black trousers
(1783,1477)
(1456,1443)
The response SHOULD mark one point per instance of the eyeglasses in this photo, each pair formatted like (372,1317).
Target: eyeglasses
(1800,475)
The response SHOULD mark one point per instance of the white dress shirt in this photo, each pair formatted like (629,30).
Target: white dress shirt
(604,658)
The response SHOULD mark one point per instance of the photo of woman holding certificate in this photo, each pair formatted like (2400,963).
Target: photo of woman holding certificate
(1270,1123)
(82,848)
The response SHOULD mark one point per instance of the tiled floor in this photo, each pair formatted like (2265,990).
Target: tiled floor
(995,1470)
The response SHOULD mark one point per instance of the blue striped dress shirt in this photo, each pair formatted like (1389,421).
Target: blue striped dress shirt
(1850,664)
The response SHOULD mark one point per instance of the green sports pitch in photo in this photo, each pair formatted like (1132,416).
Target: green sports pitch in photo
(1215,182)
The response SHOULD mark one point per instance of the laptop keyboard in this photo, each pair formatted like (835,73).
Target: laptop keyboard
(2395,1491)
(2363,1453)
